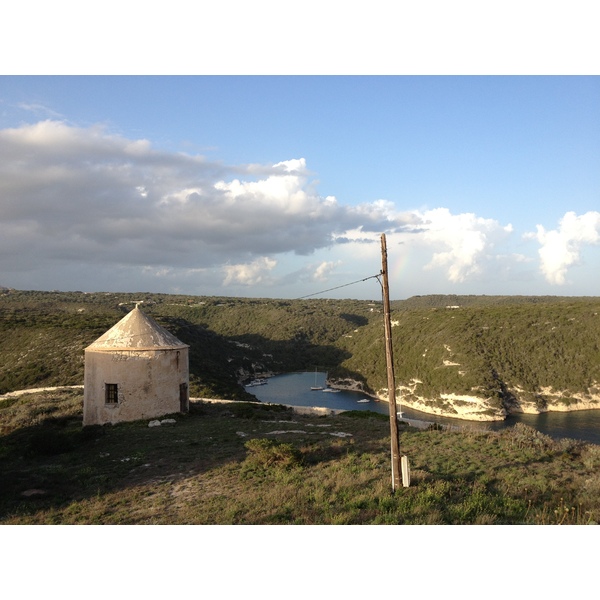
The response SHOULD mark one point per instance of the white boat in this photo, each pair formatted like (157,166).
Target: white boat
(257,382)
(363,400)
(316,387)
(331,391)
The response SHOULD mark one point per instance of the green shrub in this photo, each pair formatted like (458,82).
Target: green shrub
(267,453)
(591,456)
(365,414)
(524,436)
(243,411)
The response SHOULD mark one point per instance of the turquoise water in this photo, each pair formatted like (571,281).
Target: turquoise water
(294,389)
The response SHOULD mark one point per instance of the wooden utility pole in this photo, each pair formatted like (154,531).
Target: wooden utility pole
(389,355)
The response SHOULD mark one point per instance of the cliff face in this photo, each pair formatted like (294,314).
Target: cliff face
(550,400)
(472,407)
(480,408)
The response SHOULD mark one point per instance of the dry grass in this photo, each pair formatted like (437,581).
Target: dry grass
(253,464)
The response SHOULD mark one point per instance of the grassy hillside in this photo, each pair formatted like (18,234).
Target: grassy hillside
(247,463)
(449,300)
(511,350)
(507,351)
(43,335)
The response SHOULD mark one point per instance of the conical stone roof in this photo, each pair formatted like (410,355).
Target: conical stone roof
(136,331)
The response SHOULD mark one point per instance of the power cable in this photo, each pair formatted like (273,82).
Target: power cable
(341,286)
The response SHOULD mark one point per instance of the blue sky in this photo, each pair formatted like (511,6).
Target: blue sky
(280,186)
(296,138)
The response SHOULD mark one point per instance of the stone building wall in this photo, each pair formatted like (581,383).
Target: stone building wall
(149,384)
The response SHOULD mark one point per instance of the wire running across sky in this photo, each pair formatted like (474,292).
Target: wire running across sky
(341,286)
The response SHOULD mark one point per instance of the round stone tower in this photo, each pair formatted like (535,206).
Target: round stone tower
(136,370)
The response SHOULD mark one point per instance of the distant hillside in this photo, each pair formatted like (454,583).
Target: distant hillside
(43,335)
(443,301)
(452,353)
(522,353)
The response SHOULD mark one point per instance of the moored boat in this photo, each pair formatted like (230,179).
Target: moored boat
(316,387)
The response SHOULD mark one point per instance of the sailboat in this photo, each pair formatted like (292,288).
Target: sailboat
(316,387)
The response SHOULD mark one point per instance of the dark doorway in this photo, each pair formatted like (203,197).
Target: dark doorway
(184,401)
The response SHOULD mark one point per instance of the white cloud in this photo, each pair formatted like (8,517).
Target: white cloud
(324,270)
(561,248)
(84,200)
(39,109)
(84,194)
(249,274)
(460,243)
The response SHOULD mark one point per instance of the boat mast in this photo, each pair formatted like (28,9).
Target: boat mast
(395,445)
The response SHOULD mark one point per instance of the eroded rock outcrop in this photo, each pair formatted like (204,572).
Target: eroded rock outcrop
(475,407)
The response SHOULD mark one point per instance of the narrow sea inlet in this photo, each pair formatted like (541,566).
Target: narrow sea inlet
(294,389)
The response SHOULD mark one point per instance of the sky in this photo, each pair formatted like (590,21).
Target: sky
(275,185)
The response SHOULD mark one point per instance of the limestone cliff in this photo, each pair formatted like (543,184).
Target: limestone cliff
(478,407)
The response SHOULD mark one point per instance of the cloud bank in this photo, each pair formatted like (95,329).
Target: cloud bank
(70,193)
(85,201)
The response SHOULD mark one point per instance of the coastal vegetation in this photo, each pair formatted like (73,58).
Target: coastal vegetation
(507,353)
(249,463)
(516,355)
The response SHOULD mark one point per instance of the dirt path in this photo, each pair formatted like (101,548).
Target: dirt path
(36,390)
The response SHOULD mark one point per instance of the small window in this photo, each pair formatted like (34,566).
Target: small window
(111,393)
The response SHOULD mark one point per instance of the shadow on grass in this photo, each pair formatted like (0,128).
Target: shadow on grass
(49,465)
